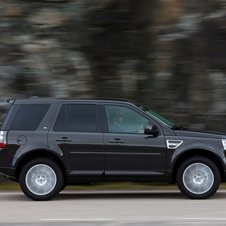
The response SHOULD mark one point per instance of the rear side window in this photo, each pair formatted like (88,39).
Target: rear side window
(81,118)
(29,117)
(77,118)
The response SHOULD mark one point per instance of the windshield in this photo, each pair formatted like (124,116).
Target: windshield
(158,117)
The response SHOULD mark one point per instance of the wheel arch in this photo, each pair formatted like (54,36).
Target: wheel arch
(39,154)
(198,152)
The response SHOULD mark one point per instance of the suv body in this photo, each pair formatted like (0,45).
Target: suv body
(46,144)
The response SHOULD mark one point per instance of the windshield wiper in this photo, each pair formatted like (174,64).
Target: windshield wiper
(176,127)
(184,128)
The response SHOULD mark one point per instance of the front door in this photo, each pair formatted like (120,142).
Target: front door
(128,151)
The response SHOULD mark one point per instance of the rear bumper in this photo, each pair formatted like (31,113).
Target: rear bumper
(8,171)
(5,158)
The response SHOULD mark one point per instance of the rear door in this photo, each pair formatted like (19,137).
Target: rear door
(77,134)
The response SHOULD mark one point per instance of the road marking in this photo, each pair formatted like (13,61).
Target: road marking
(78,220)
(223,219)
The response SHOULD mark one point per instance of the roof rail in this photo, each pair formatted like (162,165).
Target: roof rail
(34,97)
(11,101)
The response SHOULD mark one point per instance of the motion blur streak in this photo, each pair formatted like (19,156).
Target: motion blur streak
(169,53)
(136,208)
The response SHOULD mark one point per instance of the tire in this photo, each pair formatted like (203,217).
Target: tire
(41,179)
(198,178)
(64,186)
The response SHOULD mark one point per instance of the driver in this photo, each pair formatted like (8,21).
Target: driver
(115,119)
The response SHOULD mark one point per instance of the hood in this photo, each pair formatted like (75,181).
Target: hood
(200,133)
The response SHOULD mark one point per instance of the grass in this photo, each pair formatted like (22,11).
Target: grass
(11,186)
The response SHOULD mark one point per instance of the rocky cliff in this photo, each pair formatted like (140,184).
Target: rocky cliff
(169,54)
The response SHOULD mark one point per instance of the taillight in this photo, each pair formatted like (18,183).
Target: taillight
(3,139)
(2,145)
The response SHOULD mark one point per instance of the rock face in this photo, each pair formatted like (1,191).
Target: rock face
(170,54)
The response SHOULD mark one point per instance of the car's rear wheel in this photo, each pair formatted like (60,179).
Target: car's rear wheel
(198,178)
(41,179)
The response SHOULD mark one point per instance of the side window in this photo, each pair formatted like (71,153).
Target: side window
(124,120)
(76,118)
(29,117)
(81,118)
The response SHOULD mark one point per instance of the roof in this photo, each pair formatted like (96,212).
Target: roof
(33,100)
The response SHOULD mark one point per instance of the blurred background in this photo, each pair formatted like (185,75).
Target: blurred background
(168,54)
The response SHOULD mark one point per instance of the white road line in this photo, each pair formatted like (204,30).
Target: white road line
(223,219)
(78,220)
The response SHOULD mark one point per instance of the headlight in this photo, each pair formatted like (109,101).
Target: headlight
(224,143)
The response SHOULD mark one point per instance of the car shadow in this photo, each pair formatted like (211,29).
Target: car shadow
(120,195)
(84,195)
(131,195)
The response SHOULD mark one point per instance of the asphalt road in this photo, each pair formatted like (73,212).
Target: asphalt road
(112,208)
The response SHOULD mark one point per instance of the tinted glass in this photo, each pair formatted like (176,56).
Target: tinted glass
(158,116)
(29,116)
(10,116)
(124,120)
(81,118)
(61,124)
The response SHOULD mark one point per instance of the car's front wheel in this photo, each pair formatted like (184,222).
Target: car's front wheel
(41,179)
(198,178)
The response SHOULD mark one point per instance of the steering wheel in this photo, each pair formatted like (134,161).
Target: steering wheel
(141,129)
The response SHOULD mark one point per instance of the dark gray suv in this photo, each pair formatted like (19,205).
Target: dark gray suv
(46,144)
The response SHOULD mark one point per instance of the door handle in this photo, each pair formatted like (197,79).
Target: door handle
(116,141)
(64,139)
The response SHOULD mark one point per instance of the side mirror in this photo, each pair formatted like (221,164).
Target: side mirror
(151,129)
